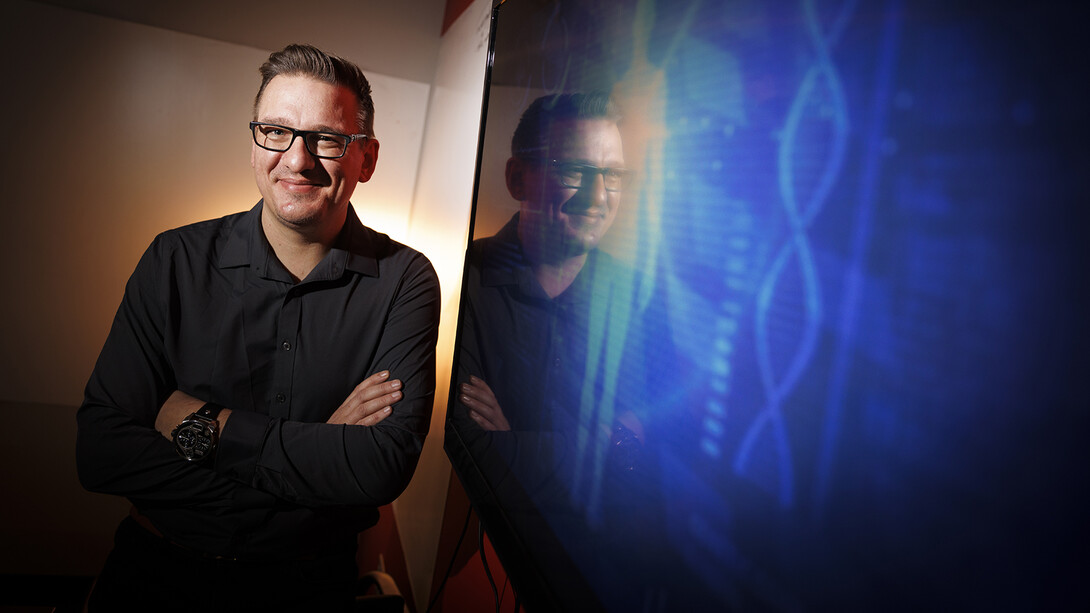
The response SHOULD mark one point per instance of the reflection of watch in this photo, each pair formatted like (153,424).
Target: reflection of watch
(196,437)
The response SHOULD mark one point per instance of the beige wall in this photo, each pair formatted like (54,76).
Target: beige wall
(439,226)
(115,131)
(124,131)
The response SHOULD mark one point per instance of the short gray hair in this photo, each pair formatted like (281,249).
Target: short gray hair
(305,60)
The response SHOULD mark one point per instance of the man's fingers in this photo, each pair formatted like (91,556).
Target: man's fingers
(483,406)
(374,386)
(472,402)
(473,397)
(371,396)
(374,418)
(357,413)
(483,420)
(477,403)
(477,390)
(374,405)
(479,383)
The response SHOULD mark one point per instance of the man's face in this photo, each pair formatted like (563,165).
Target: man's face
(569,221)
(301,191)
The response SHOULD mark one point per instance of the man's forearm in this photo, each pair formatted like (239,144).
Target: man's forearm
(117,455)
(177,407)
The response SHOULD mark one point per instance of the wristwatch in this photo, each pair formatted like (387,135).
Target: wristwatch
(196,437)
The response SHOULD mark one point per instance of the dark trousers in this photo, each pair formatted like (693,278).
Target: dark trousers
(144,572)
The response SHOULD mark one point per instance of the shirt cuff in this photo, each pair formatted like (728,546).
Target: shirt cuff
(240,445)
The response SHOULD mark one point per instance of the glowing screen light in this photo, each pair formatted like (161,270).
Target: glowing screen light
(858,302)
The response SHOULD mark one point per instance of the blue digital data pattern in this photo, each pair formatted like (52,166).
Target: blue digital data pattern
(864,224)
(876,280)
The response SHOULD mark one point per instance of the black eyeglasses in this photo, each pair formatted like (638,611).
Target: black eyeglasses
(329,145)
(576,175)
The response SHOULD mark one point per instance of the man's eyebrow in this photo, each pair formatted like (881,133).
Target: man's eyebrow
(284,122)
(276,120)
(586,162)
(325,128)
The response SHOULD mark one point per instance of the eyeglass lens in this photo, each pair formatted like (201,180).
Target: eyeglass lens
(321,144)
(574,175)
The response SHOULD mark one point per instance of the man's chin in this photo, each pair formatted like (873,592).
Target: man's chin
(581,243)
(586,229)
(298,213)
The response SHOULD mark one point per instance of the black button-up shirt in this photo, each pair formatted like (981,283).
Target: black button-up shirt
(562,369)
(564,483)
(211,311)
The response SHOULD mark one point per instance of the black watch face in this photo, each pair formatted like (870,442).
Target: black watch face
(194,440)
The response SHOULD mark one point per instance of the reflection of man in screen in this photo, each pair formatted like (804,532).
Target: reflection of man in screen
(552,361)
(547,339)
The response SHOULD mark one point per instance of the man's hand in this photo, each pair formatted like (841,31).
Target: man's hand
(483,406)
(370,403)
(177,407)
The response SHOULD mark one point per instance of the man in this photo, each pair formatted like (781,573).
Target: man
(554,383)
(542,300)
(268,379)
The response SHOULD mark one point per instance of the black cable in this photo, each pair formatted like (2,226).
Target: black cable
(453,559)
(484,561)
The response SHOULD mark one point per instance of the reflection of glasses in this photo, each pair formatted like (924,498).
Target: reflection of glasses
(575,175)
(329,145)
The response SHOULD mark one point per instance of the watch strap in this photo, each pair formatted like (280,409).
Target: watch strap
(208,411)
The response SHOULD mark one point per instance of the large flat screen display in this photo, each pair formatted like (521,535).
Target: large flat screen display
(780,306)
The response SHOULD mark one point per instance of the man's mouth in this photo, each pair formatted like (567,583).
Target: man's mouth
(299,186)
(590,213)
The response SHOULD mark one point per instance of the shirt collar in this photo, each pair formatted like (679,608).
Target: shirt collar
(502,259)
(355,249)
(358,245)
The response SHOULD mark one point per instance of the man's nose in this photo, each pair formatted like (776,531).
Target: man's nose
(297,157)
(597,187)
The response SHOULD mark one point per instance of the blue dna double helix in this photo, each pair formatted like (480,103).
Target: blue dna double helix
(819,98)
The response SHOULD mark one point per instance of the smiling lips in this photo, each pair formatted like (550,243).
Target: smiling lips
(298,185)
(589,212)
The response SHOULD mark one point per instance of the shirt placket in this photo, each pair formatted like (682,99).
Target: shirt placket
(287,335)
(555,388)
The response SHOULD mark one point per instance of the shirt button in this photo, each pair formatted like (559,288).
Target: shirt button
(286,345)
(281,397)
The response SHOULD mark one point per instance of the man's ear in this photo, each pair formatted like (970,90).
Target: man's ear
(516,178)
(370,159)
